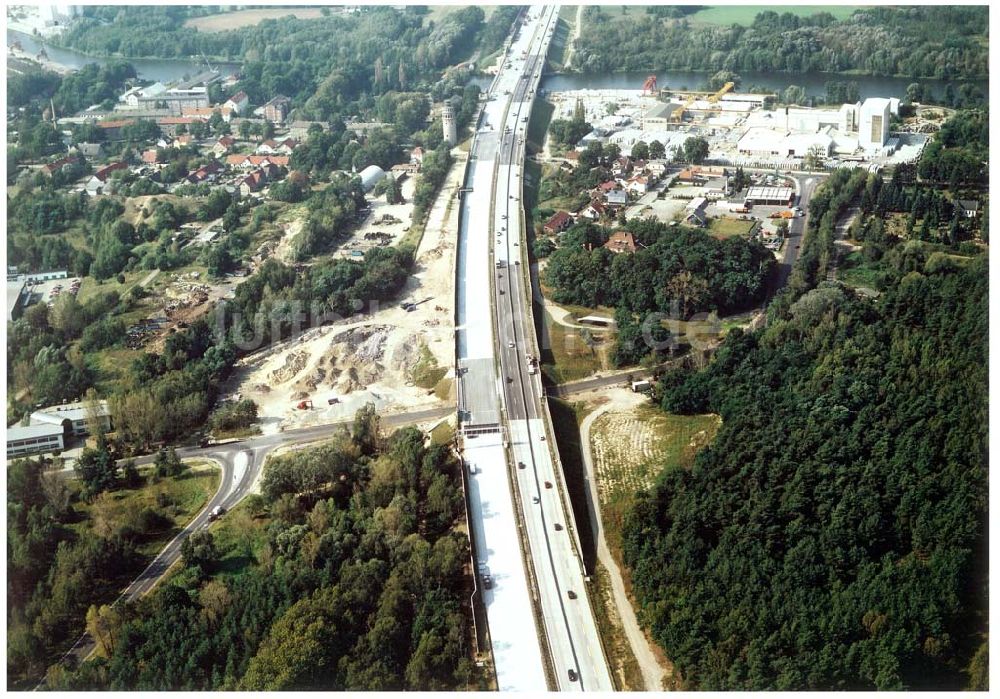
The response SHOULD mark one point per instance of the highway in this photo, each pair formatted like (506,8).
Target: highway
(241,463)
(556,569)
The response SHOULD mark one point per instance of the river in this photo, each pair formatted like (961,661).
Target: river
(164,70)
(814,83)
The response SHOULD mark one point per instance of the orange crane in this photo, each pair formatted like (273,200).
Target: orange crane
(650,85)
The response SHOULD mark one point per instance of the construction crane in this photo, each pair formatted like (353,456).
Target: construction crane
(650,85)
(714,99)
(723,90)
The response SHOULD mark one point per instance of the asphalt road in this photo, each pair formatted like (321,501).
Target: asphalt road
(805,185)
(571,632)
(241,462)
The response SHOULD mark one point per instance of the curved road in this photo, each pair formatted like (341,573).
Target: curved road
(241,462)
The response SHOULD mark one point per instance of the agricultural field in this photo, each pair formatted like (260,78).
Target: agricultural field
(248,18)
(744,14)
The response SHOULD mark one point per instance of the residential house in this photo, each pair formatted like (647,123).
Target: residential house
(206,173)
(184,140)
(637,186)
(696,215)
(238,102)
(622,166)
(277,109)
(98,183)
(604,187)
(91,151)
(621,241)
(559,222)
(54,167)
(272,147)
(594,210)
(223,146)
(968,207)
(151,156)
(253,182)
(616,198)
(248,162)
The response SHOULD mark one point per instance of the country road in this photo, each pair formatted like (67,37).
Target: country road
(652,673)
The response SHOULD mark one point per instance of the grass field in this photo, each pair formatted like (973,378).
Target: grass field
(569,357)
(726,227)
(744,14)
(630,448)
(248,18)
(625,668)
(240,538)
(178,499)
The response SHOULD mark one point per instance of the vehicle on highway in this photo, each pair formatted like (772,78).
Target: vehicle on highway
(572,675)
(558,527)
(534,499)
(570,594)
(511,344)
(520,464)
(548,484)
(509,380)
(503,216)
(216,512)
(502,292)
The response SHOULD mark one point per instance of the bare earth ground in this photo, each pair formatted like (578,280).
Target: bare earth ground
(370,357)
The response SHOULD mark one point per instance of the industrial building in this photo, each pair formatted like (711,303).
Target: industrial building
(34,439)
(873,129)
(770,196)
(49,428)
(659,117)
(71,417)
(370,177)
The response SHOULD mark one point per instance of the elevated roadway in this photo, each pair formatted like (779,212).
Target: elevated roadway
(501,401)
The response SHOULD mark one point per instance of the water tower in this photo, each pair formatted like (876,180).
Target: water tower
(448,123)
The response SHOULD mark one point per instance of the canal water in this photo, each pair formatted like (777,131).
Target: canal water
(164,70)
(814,83)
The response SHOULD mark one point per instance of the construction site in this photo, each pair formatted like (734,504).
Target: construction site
(746,128)
(398,357)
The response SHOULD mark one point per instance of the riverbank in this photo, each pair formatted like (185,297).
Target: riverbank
(814,83)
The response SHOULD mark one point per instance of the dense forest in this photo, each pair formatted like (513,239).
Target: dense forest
(947,42)
(834,534)
(329,66)
(359,584)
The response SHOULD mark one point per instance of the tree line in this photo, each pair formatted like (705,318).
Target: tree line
(359,584)
(918,42)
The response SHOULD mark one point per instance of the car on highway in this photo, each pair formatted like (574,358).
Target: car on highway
(570,594)
(548,484)
(216,512)
(572,675)
(558,527)
(534,499)
(520,464)
(511,344)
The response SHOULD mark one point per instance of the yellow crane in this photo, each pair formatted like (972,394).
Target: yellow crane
(679,113)
(723,90)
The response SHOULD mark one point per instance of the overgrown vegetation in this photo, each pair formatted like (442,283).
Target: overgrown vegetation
(833,536)
(358,586)
(69,547)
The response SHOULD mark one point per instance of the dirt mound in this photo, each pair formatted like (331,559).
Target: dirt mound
(294,363)
(407,353)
